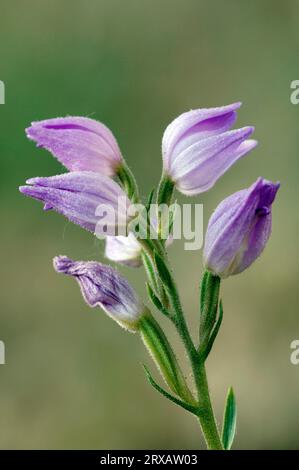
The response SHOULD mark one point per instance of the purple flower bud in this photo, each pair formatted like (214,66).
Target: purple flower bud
(198,147)
(78,196)
(239,229)
(79,143)
(102,286)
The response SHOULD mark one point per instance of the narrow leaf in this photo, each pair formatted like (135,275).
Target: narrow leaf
(150,199)
(150,270)
(165,191)
(172,215)
(207,348)
(156,301)
(203,287)
(192,409)
(163,271)
(229,420)
(209,301)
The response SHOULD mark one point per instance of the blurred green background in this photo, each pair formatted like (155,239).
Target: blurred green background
(73,378)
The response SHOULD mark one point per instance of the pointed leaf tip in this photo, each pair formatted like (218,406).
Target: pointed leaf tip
(187,406)
(163,271)
(229,420)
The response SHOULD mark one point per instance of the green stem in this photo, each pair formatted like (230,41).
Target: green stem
(206,416)
(181,324)
(205,412)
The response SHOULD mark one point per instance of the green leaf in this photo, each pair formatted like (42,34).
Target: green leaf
(205,349)
(172,215)
(209,305)
(150,270)
(186,406)
(128,182)
(163,271)
(203,287)
(156,301)
(229,420)
(150,199)
(165,191)
(163,355)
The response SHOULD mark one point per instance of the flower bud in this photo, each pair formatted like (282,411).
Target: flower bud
(239,229)
(102,286)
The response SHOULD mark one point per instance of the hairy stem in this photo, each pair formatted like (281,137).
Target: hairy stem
(205,411)
(206,416)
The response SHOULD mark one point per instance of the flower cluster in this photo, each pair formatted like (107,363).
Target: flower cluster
(198,147)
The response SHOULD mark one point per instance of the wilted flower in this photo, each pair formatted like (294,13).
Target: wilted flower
(79,143)
(102,286)
(239,229)
(198,147)
(93,201)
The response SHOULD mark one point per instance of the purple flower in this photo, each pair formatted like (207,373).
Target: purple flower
(239,229)
(198,147)
(93,201)
(102,286)
(79,143)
